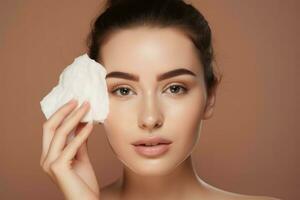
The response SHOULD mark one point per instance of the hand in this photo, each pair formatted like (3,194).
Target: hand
(69,165)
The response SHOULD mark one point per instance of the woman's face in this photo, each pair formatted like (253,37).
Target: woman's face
(150,107)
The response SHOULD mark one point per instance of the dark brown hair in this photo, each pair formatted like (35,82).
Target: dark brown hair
(124,14)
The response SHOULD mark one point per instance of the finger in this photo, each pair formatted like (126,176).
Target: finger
(72,135)
(82,153)
(59,139)
(74,131)
(70,151)
(58,116)
(52,123)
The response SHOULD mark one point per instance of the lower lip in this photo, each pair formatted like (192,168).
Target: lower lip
(152,151)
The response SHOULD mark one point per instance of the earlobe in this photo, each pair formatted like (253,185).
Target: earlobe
(210,105)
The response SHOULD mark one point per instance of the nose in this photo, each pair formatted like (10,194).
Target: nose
(150,116)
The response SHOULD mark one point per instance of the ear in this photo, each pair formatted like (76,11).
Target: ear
(210,105)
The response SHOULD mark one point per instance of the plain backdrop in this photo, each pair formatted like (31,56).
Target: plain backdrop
(250,146)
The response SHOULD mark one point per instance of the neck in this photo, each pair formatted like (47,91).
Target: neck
(182,182)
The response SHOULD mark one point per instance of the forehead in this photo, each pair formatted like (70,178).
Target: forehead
(145,51)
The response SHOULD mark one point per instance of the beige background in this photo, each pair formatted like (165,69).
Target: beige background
(249,146)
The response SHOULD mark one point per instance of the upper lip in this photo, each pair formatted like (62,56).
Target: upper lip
(152,140)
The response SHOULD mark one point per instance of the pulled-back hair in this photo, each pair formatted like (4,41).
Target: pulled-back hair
(125,14)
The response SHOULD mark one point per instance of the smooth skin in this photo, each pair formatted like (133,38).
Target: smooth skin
(146,108)
(69,166)
(151,107)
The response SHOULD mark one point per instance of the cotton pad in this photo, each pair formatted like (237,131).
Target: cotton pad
(82,80)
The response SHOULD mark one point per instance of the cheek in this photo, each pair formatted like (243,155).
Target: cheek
(119,114)
(118,124)
(185,118)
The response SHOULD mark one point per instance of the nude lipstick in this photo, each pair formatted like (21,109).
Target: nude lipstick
(152,147)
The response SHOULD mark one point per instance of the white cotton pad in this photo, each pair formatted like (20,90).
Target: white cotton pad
(82,80)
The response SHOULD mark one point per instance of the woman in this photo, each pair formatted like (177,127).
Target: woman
(161,82)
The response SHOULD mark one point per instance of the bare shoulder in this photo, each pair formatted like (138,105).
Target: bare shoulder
(237,196)
(250,197)
(217,193)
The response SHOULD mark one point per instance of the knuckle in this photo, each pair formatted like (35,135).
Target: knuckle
(55,166)
(45,167)
(61,131)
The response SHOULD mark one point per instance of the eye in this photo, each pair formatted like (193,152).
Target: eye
(123,90)
(175,88)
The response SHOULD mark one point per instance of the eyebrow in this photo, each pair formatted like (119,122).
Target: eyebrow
(160,77)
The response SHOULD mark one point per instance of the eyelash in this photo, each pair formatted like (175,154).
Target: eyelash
(185,90)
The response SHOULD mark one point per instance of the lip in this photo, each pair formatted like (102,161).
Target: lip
(151,151)
(152,140)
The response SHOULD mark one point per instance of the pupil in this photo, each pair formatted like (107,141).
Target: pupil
(173,87)
(123,90)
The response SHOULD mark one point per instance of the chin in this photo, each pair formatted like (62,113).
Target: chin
(150,167)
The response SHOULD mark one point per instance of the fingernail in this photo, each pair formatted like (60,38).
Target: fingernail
(72,101)
(85,103)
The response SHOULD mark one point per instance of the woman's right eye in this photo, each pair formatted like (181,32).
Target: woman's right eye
(123,90)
